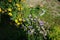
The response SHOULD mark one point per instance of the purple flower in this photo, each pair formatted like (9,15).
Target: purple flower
(41,23)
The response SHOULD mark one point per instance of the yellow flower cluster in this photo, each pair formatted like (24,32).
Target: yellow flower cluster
(19,7)
(18,21)
(9,9)
(10,14)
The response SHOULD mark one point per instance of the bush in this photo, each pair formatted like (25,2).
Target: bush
(20,21)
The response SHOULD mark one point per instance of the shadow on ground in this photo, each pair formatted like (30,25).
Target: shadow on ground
(10,31)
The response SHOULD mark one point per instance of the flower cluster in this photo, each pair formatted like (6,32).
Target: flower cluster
(14,9)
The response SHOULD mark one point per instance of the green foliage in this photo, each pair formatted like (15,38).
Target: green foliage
(54,33)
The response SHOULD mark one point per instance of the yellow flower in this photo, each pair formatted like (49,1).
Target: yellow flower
(20,19)
(18,5)
(20,8)
(16,21)
(9,9)
(10,14)
(0,10)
